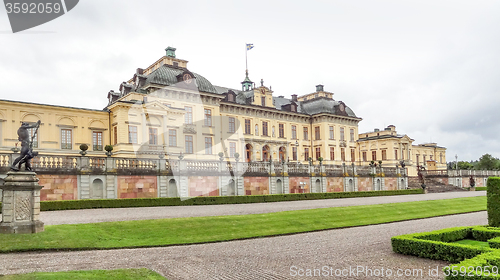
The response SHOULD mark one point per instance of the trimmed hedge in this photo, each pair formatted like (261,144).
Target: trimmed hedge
(481,188)
(483,233)
(207,200)
(435,245)
(493,201)
(473,260)
(470,267)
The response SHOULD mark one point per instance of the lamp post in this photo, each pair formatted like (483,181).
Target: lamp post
(456,162)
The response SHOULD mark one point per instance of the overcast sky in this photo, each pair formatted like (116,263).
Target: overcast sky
(431,68)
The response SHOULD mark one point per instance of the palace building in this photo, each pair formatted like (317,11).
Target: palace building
(168,110)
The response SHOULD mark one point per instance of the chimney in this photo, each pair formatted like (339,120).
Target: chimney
(170,52)
(319,88)
(376,130)
(294,97)
(139,71)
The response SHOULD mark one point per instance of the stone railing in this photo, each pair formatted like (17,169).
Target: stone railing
(364,169)
(461,173)
(278,168)
(5,160)
(125,163)
(256,167)
(391,171)
(298,168)
(49,163)
(334,170)
(202,166)
(437,172)
(97,163)
(45,162)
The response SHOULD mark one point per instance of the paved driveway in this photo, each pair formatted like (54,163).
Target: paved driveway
(263,258)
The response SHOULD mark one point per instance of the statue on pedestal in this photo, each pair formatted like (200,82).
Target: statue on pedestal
(26,146)
(21,191)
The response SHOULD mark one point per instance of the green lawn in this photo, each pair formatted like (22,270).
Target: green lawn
(118,274)
(152,233)
(473,243)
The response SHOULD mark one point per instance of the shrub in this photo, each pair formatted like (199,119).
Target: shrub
(434,245)
(485,233)
(470,267)
(493,201)
(480,189)
(204,200)
(108,148)
(84,147)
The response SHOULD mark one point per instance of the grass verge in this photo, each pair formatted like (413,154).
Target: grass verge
(118,274)
(153,233)
(473,243)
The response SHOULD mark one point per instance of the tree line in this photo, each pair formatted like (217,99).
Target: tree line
(485,162)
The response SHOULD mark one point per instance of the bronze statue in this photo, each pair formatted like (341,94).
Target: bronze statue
(26,147)
(472,182)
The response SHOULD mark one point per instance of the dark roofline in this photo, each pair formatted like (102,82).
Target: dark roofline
(379,137)
(59,106)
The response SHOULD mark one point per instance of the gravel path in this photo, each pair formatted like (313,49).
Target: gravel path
(143,213)
(263,258)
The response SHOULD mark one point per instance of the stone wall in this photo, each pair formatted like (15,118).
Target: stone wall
(295,186)
(390,184)
(365,184)
(58,187)
(335,184)
(256,185)
(137,186)
(203,186)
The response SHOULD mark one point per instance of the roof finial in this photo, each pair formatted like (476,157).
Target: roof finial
(170,52)
(261,82)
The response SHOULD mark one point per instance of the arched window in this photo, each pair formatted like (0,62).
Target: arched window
(282,154)
(172,188)
(248,152)
(265,153)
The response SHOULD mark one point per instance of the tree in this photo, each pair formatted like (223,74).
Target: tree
(464,165)
(487,162)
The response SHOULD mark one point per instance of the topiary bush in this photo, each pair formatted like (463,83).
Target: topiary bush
(435,245)
(84,147)
(493,201)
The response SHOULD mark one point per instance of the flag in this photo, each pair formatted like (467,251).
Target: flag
(249,47)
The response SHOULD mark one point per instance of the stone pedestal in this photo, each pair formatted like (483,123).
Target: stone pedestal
(21,203)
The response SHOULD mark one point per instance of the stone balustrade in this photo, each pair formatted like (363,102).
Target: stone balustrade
(51,163)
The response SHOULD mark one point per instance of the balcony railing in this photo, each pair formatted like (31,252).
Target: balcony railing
(48,163)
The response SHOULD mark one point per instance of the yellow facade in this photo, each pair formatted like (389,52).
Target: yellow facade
(77,125)
(391,148)
(166,109)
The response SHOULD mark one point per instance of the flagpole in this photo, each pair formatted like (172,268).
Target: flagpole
(246,60)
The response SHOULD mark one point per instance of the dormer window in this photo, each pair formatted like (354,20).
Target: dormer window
(176,64)
(263,101)
(231,96)
(293,108)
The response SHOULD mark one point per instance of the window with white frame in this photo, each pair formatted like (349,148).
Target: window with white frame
(66,139)
(172,137)
(132,134)
(97,140)
(208,145)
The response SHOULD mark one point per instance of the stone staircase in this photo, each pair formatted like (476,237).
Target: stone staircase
(434,186)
